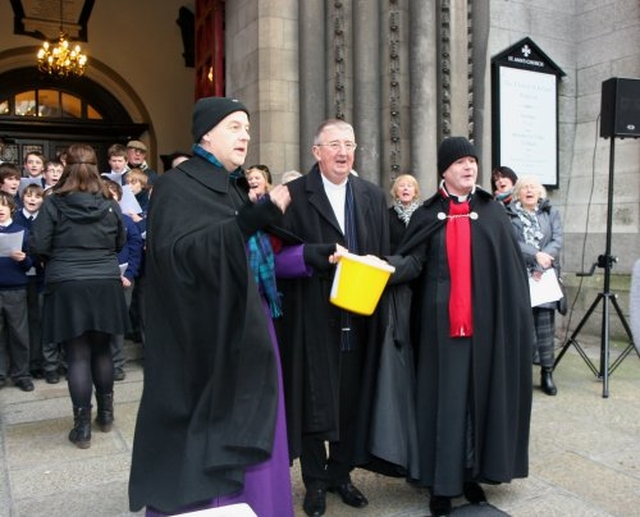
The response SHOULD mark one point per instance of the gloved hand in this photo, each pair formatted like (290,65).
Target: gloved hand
(256,216)
(317,255)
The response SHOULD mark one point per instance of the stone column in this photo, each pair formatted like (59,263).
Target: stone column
(262,70)
(458,63)
(313,79)
(423,69)
(366,89)
(482,95)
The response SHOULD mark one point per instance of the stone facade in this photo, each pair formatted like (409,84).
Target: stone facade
(407,74)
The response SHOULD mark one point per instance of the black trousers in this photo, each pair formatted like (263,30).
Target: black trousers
(333,466)
(34,312)
(14,334)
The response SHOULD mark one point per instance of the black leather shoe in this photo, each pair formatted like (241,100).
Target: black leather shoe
(52,377)
(24,384)
(37,374)
(119,375)
(440,506)
(315,503)
(473,493)
(350,495)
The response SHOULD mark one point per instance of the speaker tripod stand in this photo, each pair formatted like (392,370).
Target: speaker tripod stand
(608,299)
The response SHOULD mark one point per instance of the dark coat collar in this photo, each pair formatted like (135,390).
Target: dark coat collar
(210,175)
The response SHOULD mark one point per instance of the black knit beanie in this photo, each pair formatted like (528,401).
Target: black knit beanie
(452,149)
(209,111)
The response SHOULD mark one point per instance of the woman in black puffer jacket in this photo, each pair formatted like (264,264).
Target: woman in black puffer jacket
(78,233)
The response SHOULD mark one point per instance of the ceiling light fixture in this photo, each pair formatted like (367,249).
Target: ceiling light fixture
(60,59)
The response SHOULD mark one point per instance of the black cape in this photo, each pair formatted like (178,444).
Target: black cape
(488,374)
(210,390)
(309,331)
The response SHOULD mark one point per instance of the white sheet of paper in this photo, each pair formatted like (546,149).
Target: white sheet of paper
(129,203)
(545,290)
(10,242)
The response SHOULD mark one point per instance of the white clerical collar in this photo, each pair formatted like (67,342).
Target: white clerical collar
(461,199)
(336,194)
(329,185)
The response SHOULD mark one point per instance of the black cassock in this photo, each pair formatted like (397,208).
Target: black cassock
(473,396)
(210,390)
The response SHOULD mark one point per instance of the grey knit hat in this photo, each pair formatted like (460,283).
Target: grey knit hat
(209,111)
(452,149)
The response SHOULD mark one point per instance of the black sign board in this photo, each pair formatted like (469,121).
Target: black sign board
(525,112)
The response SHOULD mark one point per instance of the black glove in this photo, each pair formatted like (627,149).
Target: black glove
(317,255)
(256,216)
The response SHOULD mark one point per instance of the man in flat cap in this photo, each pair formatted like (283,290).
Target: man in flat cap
(137,159)
(474,335)
(211,429)
(136,154)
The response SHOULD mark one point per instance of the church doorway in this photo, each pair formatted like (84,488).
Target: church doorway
(47,115)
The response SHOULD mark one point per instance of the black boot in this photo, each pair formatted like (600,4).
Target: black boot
(81,432)
(474,493)
(546,381)
(104,418)
(440,506)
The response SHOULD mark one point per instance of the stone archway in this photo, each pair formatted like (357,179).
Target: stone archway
(124,114)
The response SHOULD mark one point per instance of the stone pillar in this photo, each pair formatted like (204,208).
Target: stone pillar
(366,87)
(313,79)
(423,67)
(339,60)
(262,70)
(482,95)
(458,64)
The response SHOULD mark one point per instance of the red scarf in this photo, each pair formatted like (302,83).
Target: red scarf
(458,242)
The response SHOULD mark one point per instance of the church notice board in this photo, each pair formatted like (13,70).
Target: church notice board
(525,112)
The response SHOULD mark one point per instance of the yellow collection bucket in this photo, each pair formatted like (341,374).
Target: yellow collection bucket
(359,282)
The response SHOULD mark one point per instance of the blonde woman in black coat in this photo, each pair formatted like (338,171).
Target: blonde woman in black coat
(405,193)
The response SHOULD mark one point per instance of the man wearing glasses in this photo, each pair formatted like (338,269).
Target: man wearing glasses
(329,355)
(136,159)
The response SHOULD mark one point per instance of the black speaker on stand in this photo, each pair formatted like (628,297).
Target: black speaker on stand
(620,108)
(619,117)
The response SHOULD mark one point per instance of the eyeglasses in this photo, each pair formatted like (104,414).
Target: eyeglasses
(336,146)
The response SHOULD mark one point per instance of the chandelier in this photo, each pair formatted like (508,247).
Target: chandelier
(61,60)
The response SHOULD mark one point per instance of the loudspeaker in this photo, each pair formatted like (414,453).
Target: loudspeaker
(620,108)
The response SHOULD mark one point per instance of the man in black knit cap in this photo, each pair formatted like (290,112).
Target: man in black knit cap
(210,430)
(474,337)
